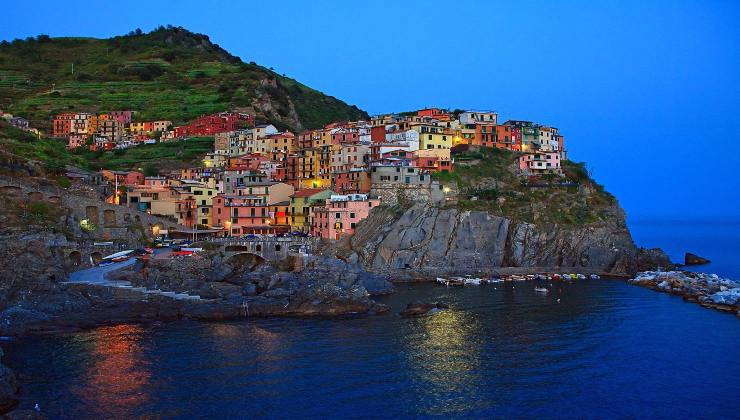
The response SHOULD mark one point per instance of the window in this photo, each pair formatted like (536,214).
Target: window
(203,221)
(352,225)
(337,216)
(352,215)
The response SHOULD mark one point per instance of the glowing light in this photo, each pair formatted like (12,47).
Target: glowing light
(446,190)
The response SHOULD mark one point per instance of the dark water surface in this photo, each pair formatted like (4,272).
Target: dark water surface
(717,240)
(607,349)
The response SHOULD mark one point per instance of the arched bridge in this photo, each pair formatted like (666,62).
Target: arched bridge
(268,248)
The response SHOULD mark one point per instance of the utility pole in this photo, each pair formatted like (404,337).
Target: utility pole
(73,67)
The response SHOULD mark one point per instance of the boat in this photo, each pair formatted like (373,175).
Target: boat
(594,276)
(440,280)
(556,276)
(120,259)
(580,276)
(474,281)
(541,290)
(118,254)
(456,281)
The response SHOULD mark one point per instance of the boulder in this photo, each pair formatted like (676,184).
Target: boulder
(693,259)
(417,309)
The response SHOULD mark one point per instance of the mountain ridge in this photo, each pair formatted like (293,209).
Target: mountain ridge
(169,73)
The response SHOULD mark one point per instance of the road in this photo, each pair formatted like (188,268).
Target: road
(96,275)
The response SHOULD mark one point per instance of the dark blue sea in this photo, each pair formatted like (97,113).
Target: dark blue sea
(605,350)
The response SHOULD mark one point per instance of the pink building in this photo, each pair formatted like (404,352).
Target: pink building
(123,117)
(76,140)
(537,163)
(340,215)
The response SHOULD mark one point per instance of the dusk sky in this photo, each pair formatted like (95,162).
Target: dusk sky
(648,93)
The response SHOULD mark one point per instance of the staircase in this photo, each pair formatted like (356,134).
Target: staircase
(96,276)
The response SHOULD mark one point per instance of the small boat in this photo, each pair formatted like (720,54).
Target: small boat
(440,280)
(473,281)
(556,276)
(541,290)
(573,276)
(120,259)
(456,281)
(595,277)
(580,277)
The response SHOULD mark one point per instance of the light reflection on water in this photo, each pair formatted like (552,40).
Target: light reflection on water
(443,358)
(607,348)
(118,379)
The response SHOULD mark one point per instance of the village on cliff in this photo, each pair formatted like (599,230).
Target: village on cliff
(321,183)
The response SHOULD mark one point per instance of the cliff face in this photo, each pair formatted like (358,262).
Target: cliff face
(433,240)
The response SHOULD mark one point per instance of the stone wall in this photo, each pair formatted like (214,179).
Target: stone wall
(392,194)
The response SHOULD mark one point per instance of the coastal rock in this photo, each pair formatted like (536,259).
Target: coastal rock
(707,289)
(417,309)
(693,259)
(430,240)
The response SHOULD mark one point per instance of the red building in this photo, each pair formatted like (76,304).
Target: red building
(62,125)
(435,113)
(354,181)
(507,137)
(209,125)
(377,134)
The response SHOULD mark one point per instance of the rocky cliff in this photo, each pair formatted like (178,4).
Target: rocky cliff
(432,240)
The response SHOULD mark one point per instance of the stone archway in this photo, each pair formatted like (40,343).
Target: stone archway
(54,199)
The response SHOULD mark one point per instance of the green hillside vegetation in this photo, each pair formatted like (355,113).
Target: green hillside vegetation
(487,180)
(167,74)
(54,156)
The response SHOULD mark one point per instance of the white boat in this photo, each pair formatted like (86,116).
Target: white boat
(474,281)
(541,290)
(118,254)
(595,277)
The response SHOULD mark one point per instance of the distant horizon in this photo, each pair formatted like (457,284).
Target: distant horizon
(650,109)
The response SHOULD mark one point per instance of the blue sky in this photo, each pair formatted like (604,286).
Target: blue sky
(648,93)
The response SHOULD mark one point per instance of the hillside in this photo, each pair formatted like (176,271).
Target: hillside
(52,156)
(487,180)
(169,73)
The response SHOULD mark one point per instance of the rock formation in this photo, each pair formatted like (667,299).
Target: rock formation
(693,259)
(433,240)
(708,290)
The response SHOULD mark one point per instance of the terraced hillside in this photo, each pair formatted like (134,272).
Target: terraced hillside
(169,73)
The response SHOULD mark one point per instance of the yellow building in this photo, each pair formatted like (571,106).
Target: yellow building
(302,205)
(432,136)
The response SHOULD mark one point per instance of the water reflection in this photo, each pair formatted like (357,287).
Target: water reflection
(117,379)
(444,357)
